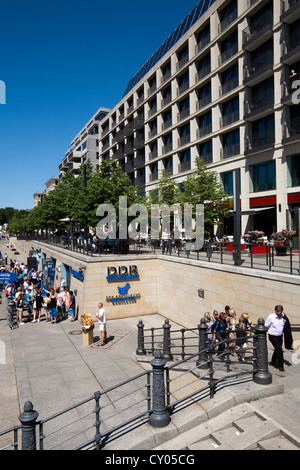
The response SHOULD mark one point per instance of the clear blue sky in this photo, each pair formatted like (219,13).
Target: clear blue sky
(61,60)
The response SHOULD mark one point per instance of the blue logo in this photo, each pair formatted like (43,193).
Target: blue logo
(124,290)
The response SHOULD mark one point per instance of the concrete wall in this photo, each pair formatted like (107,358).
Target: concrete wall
(169,286)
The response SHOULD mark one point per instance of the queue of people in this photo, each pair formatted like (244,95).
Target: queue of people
(225,326)
(31,301)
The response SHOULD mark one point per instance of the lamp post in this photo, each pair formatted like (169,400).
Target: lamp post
(237,218)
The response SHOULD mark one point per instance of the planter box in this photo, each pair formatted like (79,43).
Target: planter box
(259,249)
(230,247)
(87,337)
(281,250)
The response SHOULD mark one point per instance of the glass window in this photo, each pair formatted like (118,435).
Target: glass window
(263,177)
(293,170)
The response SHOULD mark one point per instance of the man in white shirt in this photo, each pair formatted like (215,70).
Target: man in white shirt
(101,315)
(275,324)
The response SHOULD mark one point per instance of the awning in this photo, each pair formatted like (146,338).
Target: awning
(254,211)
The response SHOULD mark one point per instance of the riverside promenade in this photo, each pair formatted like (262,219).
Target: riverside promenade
(49,366)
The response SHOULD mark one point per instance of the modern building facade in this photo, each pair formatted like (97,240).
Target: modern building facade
(84,146)
(220,87)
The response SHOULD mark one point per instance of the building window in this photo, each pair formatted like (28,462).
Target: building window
(293,170)
(184,161)
(229,47)
(228,15)
(229,80)
(263,131)
(227,182)
(231,144)
(230,112)
(203,38)
(263,177)
(205,151)
(205,124)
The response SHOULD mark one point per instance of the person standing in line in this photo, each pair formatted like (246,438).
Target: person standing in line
(20,303)
(220,332)
(46,306)
(52,306)
(276,323)
(71,310)
(101,315)
(37,305)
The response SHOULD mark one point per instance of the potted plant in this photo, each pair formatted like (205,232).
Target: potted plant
(282,240)
(253,235)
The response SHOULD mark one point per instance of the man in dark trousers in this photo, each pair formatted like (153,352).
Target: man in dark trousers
(279,326)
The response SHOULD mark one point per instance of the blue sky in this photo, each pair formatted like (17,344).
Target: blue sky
(60,61)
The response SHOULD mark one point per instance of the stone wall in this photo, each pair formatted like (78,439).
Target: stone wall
(169,286)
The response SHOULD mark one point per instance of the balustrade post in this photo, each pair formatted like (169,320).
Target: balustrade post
(141,339)
(202,361)
(261,374)
(159,417)
(167,356)
(28,420)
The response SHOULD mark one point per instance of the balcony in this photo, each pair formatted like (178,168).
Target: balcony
(185,139)
(140,181)
(182,62)
(228,86)
(129,165)
(139,162)
(230,151)
(153,154)
(153,176)
(168,147)
(291,131)
(203,131)
(184,113)
(202,73)
(229,118)
(166,124)
(290,11)
(259,142)
(183,88)
(184,166)
(257,109)
(203,101)
(228,54)
(255,37)
(129,147)
(226,22)
(290,50)
(257,72)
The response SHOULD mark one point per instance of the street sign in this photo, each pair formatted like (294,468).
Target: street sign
(8,277)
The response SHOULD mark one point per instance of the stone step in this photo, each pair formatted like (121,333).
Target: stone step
(281,442)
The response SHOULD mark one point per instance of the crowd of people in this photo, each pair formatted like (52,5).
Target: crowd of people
(30,299)
(225,326)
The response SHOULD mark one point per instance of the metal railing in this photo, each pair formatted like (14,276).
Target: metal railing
(152,396)
(254,256)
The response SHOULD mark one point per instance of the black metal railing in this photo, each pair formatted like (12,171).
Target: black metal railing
(101,418)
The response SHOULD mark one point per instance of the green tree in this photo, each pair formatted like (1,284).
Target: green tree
(203,187)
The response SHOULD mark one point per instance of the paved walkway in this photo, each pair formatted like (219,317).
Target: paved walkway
(48,365)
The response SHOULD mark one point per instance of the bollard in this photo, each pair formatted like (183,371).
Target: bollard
(202,361)
(261,374)
(28,420)
(141,346)
(159,417)
(167,356)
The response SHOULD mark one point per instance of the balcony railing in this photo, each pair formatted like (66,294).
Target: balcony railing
(259,141)
(291,129)
(230,151)
(228,86)
(185,139)
(184,166)
(229,118)
(153,176)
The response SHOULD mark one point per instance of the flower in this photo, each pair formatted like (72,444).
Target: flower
(253,235)
(284,236)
